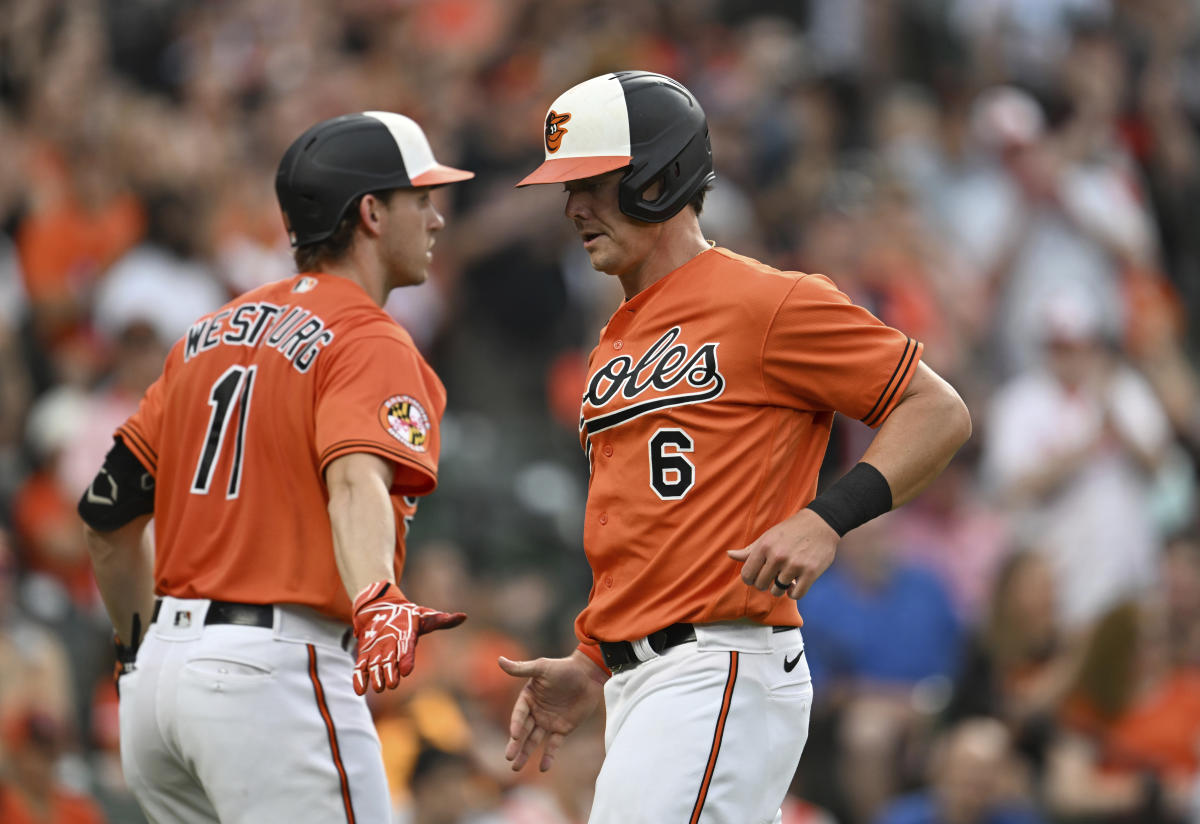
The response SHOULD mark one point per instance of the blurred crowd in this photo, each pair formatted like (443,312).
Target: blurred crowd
(1014,182)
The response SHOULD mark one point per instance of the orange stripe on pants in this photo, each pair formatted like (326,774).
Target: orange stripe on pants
(335,751)
(726,701)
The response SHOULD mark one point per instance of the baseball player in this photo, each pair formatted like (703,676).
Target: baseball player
(707,411)
(280,453)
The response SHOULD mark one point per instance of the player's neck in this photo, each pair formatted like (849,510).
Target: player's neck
(681,242)
(364,269)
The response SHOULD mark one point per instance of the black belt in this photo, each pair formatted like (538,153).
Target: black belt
(228,612)
(620,656)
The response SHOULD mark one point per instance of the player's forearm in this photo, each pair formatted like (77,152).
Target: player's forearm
(920,436)
(123,564)
(363,521)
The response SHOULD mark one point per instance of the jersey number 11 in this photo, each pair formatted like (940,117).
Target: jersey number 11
(235,382)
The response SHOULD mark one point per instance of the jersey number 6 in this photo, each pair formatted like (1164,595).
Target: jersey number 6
(236,381)
(671,474)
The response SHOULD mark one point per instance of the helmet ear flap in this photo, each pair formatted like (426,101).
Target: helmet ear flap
(682,177)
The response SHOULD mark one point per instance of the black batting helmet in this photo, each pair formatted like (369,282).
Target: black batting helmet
(641,120)
(337,160)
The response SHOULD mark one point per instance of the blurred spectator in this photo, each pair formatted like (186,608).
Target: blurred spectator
(798,811)
(1071,451)
(70,431)
(1025,39)
(1180,578)
(951,530)
(49,533)
(1165,35)
(33,663)
(251,246)
(81,219)
(1018,664)
(30,792)
(448,788)
(875,620)
(423,720)
(165,281)
(561,796)
(882,641)
(1089,226)
(974,778)
(1130,750)
(134,358)
(15,397)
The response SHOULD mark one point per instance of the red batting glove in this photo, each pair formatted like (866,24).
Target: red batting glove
(387,626)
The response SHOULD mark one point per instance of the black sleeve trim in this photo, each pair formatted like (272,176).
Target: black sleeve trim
(407,463)
(903,367)
(122,490)
(142,445)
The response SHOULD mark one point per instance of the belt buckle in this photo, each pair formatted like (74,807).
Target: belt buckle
(618,656)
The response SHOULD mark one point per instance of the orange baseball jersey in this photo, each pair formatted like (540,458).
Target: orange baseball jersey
(252,405)
(708,408)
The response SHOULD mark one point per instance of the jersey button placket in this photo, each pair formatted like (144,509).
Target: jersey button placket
(603,519)
(608,450)
(618,344)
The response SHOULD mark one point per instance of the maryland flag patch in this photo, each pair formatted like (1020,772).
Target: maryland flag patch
(406,421)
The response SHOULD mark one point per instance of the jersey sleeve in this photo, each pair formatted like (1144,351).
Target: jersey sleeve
(378,395)
(592,650)
(141,431)
(823,352)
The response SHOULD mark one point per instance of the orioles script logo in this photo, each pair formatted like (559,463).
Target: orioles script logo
(667,366)
(554,130)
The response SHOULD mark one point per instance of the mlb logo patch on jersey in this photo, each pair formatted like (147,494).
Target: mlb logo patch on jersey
(406,421)
(306,284)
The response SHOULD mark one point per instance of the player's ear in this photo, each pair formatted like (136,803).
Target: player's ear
(370,209)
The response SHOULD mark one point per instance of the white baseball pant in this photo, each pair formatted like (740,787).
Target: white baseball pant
(708,732)
(238,724)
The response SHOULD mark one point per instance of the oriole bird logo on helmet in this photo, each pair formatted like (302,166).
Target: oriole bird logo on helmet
(554,129)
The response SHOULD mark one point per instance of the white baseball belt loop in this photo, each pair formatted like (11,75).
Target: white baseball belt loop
(643,650)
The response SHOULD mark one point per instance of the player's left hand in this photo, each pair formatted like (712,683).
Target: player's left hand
(126,654)
(559,694)
(126,657)
(387,626)
(795,551)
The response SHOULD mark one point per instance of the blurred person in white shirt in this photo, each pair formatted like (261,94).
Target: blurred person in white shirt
(1071,451)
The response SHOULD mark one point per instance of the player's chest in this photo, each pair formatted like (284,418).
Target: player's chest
(661,368)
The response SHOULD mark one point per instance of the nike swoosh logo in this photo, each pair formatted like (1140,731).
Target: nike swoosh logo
(790,664)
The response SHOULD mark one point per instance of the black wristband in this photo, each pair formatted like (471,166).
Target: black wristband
(855,498)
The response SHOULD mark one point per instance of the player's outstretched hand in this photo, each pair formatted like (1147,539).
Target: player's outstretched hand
(560,693)
(387,626)
(795,551)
